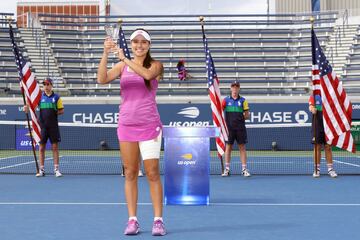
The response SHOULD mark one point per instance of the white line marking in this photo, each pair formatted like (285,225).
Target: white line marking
(211,204)
(25,163)
(12,157)
(287,204)
(345,163)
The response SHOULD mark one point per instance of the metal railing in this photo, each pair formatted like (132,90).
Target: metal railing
(69,22)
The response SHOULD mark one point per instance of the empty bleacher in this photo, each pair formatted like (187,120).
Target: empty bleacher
(351,73)
(9,77)
(269,55)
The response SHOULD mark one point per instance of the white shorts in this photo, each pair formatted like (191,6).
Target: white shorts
(150,149)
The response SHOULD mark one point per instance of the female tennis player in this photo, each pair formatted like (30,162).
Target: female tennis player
(139,127)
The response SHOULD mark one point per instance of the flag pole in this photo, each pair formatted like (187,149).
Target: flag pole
(27,113)
(316,158)
(201,19)
(119,22)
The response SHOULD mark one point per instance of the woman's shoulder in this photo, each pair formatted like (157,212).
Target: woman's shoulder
(156,63)
(120,66)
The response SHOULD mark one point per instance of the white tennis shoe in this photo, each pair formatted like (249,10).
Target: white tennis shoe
(226,172)
(41,173)
(57,173)
(332,173)
(316,173)
(245,173)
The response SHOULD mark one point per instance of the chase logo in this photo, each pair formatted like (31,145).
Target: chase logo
(2,111)
(356,106)
(190,112)
(301,117)
(187,156)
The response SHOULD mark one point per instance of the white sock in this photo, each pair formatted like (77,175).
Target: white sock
(329,166)
(227,165)
(158,218)
(133,218)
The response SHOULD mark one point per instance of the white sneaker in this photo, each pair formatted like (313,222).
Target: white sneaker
(57,173)
(226,172)
(316,173)
(41,173)
(332,173)
(140,174)
(245,173)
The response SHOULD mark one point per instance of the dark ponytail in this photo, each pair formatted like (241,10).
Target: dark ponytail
(147,64)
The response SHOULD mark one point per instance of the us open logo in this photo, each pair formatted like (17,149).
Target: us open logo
(187,159)
(189,112)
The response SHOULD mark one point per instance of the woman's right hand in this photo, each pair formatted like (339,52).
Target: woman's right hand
(108,45)
(312,109)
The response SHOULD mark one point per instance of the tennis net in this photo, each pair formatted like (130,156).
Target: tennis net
(94,149)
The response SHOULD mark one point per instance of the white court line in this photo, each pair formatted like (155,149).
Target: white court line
(25,163)
(345,163)
(211,204)
(12,157)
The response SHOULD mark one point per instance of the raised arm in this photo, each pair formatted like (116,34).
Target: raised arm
(103,75)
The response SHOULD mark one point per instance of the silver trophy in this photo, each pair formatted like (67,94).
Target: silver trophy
(112,32)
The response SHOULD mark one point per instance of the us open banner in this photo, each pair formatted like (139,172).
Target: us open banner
(23,141)
(174,115)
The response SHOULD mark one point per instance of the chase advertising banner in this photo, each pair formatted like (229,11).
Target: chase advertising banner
(173,115)
(180,114)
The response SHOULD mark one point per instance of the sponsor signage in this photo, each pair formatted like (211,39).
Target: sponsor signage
(187,115)
(23,141)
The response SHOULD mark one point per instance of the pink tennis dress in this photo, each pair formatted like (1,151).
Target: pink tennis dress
(139,119)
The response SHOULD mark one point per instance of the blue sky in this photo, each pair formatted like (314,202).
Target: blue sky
(188,6)
(8,6)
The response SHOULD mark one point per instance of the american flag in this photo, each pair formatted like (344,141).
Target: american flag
(215,99)
(123,44)
(28,84)
(337,108)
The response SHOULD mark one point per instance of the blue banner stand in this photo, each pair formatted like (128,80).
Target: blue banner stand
(187,164)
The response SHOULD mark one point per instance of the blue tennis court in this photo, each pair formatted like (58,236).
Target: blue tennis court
(260,207)
(280,201)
